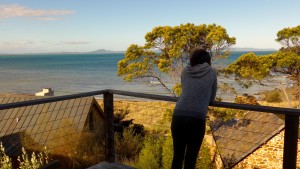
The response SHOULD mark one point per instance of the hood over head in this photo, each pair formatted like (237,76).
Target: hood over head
(198,70)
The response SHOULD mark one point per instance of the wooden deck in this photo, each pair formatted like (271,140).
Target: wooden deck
(106,165)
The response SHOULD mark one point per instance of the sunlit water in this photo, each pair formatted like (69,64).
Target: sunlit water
(72,73)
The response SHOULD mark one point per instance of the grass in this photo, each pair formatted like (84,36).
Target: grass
(294,104)
(152,114)
(291,92)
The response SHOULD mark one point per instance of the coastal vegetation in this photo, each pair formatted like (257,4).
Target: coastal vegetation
(25,161)
(163,57)
(250,68)
(274,96)
(166,52)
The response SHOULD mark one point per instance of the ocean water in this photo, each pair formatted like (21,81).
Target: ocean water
(70,73)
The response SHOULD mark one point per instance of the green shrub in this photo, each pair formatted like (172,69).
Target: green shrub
(5,161)
(26,160)
(33,161)
(167,153)
(90,151)
(167,115)
(158,154)
(205,157)
(121,124)
(273,97)
(129,146)
(246,99)
(150,156)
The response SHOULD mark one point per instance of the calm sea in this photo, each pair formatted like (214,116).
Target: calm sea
(70,73)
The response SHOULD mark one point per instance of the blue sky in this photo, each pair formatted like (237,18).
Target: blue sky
(87,25)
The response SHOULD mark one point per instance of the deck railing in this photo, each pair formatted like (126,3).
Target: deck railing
(291,118)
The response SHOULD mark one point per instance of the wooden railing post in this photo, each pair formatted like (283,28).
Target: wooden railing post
(109,114)
(290,141)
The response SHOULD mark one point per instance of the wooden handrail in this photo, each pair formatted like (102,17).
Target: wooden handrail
(51,99)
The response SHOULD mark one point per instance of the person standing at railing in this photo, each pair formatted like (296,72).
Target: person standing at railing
(199,86)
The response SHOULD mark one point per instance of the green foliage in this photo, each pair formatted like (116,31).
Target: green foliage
(128,136)
(205,157)
(226,88)
(167,115)
(222,115)
(158,154)
(150,156)
(128,146)
(5,161)
(177,89)
(286,62)
(289,37)
(167,153)
(90,151)
(26,160)
(122,123)
(246,99)
(273,97)
(35,161)
(174,45)
(250,66)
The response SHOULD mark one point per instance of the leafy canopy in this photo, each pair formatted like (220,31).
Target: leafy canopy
(167,50)
(285,62)
(252,67)
(289,37)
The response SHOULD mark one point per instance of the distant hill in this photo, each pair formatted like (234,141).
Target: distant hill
(252,49)
(100,51)
(104,51)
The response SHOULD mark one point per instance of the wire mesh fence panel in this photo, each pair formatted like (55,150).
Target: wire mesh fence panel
(63,127)
(247,138)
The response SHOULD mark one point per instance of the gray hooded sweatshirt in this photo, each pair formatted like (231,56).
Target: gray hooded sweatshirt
(199,87)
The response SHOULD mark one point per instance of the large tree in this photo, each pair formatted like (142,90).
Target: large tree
(289,37)
(285,62)
(166,51)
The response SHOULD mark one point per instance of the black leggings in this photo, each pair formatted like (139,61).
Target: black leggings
(187,136)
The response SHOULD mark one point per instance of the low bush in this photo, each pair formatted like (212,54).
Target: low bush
(273,97)
(128,146)
(26,160)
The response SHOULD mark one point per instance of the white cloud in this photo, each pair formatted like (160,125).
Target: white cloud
(48,19)
(12,11)
(75,43)
(15,45)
